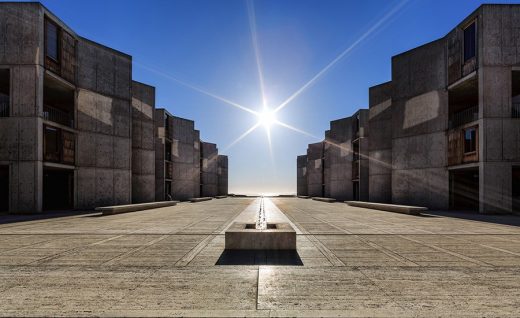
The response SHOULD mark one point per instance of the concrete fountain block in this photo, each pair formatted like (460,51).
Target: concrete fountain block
(244,236)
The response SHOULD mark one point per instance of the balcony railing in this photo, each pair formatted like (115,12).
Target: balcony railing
(4,106)
(58,116)
(515,110)
(463,117)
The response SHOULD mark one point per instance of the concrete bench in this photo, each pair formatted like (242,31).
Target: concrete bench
(116,209)
(328,200)
(221,197)
(194,200)
(304,197)
(406,209)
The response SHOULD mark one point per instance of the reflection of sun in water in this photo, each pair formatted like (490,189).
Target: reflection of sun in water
(266,118)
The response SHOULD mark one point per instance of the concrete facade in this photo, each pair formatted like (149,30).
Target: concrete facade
(222,162)
(315,169)
(301,176)
(209,169)
(76,132)
(444,132)
(338,160)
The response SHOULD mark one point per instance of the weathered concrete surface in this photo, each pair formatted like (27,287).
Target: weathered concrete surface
(356,263)
(117,209)
(222,175)
(301,175)
(315,170)
(209,169)
(278,236)
(406,209)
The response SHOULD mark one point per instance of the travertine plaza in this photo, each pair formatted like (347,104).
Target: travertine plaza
(351,262)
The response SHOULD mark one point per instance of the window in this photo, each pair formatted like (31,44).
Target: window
(470,41)
(470,140)
(4,92)
(51,144)
(168,151)
(51,40)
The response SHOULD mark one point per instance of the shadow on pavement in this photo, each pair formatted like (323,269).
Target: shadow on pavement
(16,218)
(260,257)
(503,219)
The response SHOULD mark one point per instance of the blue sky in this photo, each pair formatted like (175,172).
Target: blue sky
(208,44)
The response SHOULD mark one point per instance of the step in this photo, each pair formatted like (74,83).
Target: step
(194,200)
(328,200)
(406,209)
(221,197)
(116,209)
(304,197)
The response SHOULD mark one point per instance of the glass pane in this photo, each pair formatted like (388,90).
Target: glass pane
(470,42)
(51,38)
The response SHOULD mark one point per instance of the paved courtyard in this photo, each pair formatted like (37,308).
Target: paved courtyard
(356,263)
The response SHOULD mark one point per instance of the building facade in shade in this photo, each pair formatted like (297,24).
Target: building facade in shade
(301,176)
(208,169)
(76,132)
(315,170)
(222,175)
(445,131)
(177,158)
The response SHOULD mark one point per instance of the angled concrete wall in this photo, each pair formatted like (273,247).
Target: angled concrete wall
(209,169)
(222,175)
(338,159)
(185,159)
(143,143)
(315,169)
(301,175)
(380,143)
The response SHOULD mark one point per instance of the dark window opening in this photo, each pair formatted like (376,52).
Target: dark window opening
(168,190)
(355,190)
(4,188)
(515,94)
(51,40)
(167,125)
(168,151)
(463,103)
(470,140)
(470,41)
(464,190)
(516,189)
(4,92)
(58,102)
(58,145)
(58,189)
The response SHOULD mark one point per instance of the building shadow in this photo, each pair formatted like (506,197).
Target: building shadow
(260,257)
(503,219)
(8,218)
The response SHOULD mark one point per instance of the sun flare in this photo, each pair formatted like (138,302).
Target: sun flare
(266,118)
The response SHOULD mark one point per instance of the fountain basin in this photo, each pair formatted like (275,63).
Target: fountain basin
(244,236)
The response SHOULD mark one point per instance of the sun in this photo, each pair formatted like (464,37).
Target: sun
(266,118)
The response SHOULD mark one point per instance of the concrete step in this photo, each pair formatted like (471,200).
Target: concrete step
(221,197)
(406,209)
(304,197)
(116,209)
(328,200)
(193,200)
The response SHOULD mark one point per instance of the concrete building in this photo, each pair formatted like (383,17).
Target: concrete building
(75,131)
(222,162)
(301,176)
(177,158)
(315,170)
(445,131)
(208,169)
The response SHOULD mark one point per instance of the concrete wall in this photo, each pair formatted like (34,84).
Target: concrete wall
(301,175)
(143,143)
(419,123)
(338,159)
(104,124)
(315,169)
(222,175)
(380,143)
(363,154)
(185,159)
(21,133)
(209,169)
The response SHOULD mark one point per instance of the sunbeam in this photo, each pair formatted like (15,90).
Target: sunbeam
(250,130)
(343,54)
(254,39)
(198,89)
(296,129)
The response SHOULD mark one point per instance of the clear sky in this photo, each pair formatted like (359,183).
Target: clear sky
(209,45)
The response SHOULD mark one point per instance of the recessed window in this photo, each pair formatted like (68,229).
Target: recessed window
(470,140)
(470,41)
(4,92)
(51,40)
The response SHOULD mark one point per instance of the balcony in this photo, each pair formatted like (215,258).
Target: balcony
(462,117)
(515,110)
(58,116)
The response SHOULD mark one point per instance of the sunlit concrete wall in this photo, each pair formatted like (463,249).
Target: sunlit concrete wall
(380,143)
(419,124)
(21,51)
(104,124)
(222,175)
(185,159)
(301,175)
(315,169)
(363,139)
(143,143)
(338,159)
(209,169)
